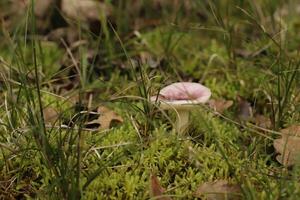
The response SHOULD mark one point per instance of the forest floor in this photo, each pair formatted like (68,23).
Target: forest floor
(76,119)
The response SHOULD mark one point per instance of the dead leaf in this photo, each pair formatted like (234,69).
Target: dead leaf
(251,54)
(156,190)
(12,11)
(218,190)
(50,114)
(106,118)
(140,23)
(68,34)
(242,53)
(85,10)
(20,6)
(288,146)
(42,7)
(263,121)
(293,130)
(220,105)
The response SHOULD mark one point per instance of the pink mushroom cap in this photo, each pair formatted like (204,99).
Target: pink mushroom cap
(182,93)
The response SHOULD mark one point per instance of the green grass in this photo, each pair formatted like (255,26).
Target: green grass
(236,48)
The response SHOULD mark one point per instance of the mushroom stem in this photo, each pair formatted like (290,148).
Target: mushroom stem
(182,121)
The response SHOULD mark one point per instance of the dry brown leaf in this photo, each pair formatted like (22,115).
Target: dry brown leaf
(263,121)
(85,10)
(288,146)
(293,130)
(156,190)
(50,115)
(20,6)
(106,118)
(42,7)
(218,190)
(220,105)
(68,34)
(140,23)
(11,12)
(242,53)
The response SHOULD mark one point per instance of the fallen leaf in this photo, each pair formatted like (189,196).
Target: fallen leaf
(140,23)
(220,105)
(50,114)
(12,12)
(251,54)
(85,10)
(68,34)
(20,6)
(42,7)
(242,53)
(288,146)
(106,119)
(293,130)
(263,121)
(218,190)
(156,190)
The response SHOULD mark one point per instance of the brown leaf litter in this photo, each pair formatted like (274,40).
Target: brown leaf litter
(107,118)
(50,115)
(87,10)
(288,146)
(156,190)
(218,190)
(220,105)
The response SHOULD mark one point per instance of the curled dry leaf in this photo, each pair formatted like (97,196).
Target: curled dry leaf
(218,190)
(20,6)
(68,34)
(42,10)
(140,23)
(242,53)
(50,115)
(11,11)
(107,118)
(156,190)
(85,10)
(220,105)
(42,7)
(262,121)
(288,146)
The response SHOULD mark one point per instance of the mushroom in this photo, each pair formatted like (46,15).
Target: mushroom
(182,97)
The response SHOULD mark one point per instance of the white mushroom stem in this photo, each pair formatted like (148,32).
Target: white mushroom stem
(182,120)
